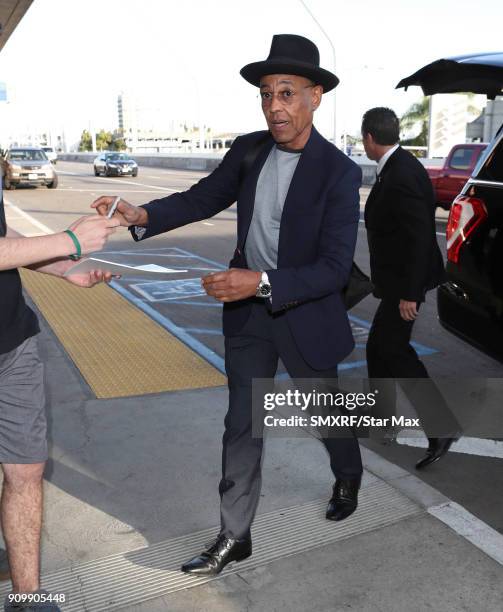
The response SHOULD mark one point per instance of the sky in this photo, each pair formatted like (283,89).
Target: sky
(68,60)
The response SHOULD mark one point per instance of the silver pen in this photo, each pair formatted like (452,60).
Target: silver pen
(114,207)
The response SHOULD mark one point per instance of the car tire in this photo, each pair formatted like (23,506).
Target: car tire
(96,172)
(107,173)
(7,184)
(134,173)
(54,183)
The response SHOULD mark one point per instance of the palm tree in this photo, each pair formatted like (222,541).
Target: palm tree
(418,113)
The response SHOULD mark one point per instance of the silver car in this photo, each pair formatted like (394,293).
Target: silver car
(29,166)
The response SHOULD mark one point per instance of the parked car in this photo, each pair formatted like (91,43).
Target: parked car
(52,156)
(115,164)
(470,303)
(27,165)
(450,179)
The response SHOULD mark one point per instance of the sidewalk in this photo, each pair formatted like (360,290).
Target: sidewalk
(131,492)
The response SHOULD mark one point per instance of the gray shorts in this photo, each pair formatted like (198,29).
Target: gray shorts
(23,425)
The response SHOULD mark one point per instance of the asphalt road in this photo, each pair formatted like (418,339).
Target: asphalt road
(470,478)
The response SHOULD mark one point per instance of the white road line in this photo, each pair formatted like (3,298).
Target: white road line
(481,447)
(207,223)
(43,228)
(481,535)
(117,180)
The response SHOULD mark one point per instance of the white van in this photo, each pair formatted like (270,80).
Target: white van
(52,156)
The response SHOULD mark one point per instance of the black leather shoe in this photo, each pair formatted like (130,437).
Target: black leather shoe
(437,448)
(219,554)
(344,499)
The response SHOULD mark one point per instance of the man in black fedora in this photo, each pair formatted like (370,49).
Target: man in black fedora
(298,211)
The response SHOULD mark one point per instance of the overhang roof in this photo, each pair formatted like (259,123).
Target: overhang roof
(11,13)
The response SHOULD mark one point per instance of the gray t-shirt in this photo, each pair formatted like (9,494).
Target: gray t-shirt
(261,248)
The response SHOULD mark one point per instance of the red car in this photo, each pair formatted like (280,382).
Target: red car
(459,165)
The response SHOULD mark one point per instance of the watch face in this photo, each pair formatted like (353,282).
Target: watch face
(265,290)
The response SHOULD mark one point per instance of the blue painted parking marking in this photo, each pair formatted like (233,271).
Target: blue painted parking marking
(199,330)
(151,296)
(203,304)
(165,291)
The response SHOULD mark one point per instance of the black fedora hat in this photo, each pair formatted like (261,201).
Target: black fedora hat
(291,54)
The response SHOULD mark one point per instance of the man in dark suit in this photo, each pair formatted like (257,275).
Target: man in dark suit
(297,221)
(405,263)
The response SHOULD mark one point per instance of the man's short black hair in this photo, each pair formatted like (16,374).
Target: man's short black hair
(382,123)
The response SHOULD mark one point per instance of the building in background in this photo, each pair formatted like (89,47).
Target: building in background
(148,127)
(485,126)
(449,116)
(33,138)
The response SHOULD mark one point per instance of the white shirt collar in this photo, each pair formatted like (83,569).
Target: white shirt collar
(385,157)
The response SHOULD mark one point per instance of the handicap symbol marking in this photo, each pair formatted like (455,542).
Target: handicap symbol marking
(173,257)
(165,291)
(171,290)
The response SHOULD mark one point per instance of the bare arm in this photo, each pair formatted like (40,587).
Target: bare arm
(17,251)
(49,254)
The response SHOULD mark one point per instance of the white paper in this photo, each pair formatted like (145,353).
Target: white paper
(85,266)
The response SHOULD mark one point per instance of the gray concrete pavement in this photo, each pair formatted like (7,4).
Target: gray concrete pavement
(415,565)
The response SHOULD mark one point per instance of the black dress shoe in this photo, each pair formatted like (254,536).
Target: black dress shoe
(219,554)
(437,448)
(344,499)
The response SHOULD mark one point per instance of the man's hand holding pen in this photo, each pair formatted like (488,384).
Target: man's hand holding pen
(127,214)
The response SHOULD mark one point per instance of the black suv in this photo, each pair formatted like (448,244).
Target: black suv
(470,303)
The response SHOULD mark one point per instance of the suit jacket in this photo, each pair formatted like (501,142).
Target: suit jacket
(317,239)
(405,260)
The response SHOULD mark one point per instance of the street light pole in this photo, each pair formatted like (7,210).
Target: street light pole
(334,60)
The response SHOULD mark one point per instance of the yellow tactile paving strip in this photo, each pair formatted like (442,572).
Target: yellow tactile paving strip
(118,349)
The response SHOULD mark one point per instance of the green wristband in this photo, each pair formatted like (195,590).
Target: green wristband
(76,242)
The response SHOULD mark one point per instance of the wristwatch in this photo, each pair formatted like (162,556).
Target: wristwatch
(264,287)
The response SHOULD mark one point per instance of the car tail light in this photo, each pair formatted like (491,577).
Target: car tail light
(466,215)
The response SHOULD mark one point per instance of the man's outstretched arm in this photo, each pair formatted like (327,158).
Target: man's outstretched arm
(206,198)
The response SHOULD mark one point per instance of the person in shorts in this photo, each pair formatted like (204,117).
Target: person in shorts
(23,426)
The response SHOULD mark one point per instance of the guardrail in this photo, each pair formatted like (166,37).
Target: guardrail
(176,162)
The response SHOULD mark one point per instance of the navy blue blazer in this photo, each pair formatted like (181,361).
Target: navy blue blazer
(317,239)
